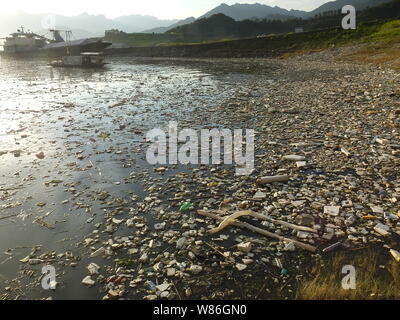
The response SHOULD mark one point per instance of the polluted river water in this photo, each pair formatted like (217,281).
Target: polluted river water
(90,126)
(77,193)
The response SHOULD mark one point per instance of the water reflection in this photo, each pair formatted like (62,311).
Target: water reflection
(62,112)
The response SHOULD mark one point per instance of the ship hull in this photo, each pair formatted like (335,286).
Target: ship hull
(73,50)
(59,50)
(25,54)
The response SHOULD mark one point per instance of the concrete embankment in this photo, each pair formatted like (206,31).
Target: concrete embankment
(228,49)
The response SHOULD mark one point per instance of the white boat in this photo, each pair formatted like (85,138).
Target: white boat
(21,43)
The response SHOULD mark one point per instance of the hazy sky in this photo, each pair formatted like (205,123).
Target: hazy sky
(164,9)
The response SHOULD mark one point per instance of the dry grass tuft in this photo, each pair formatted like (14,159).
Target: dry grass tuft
(382,54)
(372,281)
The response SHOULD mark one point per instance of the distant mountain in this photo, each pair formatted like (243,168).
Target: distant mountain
(138,23)
(87,25)
(220,26)
(260,11)
(216,26)
(83,25)
(177,24)
(339,4)
(249,11)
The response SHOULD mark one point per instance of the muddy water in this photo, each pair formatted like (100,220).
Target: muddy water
(91,127)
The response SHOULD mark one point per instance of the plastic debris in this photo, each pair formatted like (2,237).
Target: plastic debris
(272,179)
(395,254)
(40,155)
(186,207)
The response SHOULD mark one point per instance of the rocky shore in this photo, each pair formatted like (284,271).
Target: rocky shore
(330,128)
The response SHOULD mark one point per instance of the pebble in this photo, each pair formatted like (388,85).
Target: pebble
(195,269)
(163,287)
(241,267)
(97,253)
(259,195)
(382,229)
(245,247)
(93,268)
(395,254)
(294,158)
(88,281)
(332,210)
(171,272)
(144,257)
(181,243)
(289,247)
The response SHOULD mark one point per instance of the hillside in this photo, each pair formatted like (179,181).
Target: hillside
(339,4)
(220,26)
(175,25)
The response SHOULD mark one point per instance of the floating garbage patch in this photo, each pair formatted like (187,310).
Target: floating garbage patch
(77,194)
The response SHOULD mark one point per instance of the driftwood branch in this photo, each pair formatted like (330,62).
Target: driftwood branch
(280,222)
(260,231)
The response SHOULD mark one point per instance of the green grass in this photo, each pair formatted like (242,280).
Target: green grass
(380,43)
(382,47)
(389,31)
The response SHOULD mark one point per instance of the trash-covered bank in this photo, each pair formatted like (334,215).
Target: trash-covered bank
(77,193)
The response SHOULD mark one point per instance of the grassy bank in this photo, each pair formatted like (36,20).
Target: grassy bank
(383,34)
(380,38)
(381,47)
